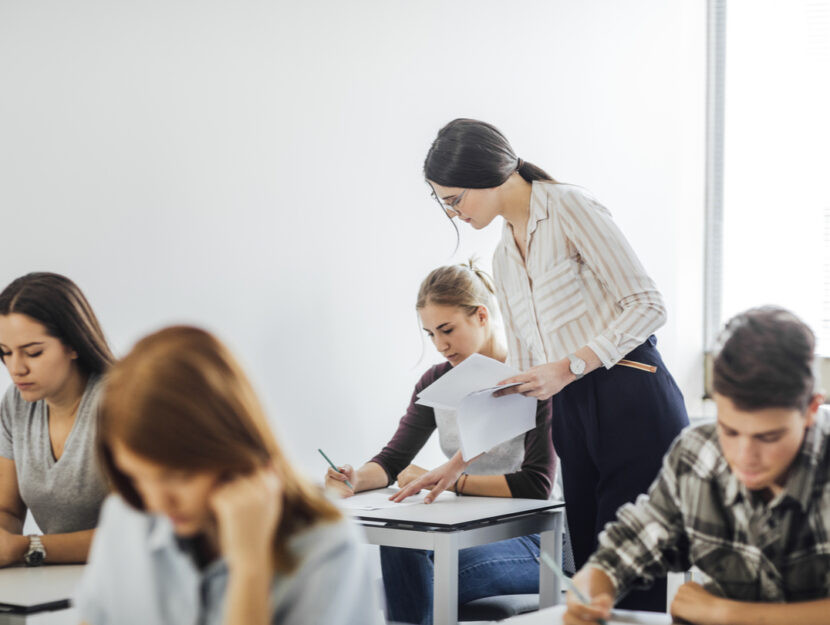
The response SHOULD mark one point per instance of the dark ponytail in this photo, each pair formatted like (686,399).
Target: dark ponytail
(531,172)
(472,154)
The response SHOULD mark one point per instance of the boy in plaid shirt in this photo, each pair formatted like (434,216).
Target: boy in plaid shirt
(746,499)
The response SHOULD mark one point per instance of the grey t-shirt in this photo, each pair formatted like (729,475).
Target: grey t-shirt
(64,495)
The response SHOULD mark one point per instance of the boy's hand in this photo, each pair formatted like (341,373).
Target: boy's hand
(694,604)
(595,584)
(578,613)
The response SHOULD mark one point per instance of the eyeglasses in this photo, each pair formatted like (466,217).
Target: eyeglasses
(450,209)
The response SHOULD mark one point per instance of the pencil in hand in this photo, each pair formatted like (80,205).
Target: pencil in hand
(569,584)
(332,465)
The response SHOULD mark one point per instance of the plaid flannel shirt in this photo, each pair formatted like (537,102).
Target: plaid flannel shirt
(697,513)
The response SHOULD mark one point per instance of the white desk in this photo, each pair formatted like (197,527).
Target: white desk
(553,616)
(454,523)
(38,595)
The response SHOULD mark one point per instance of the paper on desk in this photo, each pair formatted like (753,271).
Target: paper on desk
(379,500)
(484,421)
(553,616)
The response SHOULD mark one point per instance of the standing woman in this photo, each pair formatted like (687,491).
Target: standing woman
(580,311)
(55,352)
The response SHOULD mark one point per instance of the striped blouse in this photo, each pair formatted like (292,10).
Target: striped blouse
(582,283)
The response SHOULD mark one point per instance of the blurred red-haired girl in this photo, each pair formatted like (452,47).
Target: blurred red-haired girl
(210,523)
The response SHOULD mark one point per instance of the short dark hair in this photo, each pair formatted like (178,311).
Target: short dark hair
(56,302)
(765,360)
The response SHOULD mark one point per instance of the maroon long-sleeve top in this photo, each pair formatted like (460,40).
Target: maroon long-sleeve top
(533,480)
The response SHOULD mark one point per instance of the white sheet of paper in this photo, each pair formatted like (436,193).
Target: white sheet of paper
(553,616)
(485,421)
(379,500)
(475,373)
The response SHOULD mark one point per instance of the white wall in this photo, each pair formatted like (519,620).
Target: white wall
(255,167)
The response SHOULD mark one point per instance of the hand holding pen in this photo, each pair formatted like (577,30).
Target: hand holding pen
(581,609)
(339,479)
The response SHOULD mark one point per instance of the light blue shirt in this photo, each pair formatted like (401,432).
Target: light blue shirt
(137,574)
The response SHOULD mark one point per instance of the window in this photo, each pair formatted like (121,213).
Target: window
(768,169)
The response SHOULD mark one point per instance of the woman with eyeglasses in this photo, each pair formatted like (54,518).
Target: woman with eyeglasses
(456,308)
(56,354)
(579,311)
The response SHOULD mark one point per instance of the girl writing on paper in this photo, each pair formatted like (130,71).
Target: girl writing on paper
(55,353)
(209,522)
(456,307)
(579,312)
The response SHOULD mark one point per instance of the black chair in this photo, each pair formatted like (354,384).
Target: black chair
(497,608)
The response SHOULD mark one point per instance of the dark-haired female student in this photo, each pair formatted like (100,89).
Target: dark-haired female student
(209,522)
(579,311)
(55,353)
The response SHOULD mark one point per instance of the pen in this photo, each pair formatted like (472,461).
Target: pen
(348,483)
(568,582)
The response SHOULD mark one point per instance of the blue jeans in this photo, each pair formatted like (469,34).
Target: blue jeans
(509,567)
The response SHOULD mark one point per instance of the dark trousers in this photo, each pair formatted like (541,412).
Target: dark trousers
(611,430)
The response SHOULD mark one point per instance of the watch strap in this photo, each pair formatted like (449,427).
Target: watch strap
(36,553)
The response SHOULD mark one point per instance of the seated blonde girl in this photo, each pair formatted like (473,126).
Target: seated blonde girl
(456,305)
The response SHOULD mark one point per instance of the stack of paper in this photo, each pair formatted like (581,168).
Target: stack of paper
(484,421)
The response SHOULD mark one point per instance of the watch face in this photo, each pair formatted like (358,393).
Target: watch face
(34,558)
(577,366)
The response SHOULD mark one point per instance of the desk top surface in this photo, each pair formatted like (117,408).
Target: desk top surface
(454,512)
(30,586)
(553,616)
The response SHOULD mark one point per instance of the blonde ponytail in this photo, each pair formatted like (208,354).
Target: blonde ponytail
(464,285)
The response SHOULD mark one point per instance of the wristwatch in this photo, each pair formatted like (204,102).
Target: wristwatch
(577,365)
(36,553)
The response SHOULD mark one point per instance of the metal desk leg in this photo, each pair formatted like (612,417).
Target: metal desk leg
(550,590)
(445,600)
